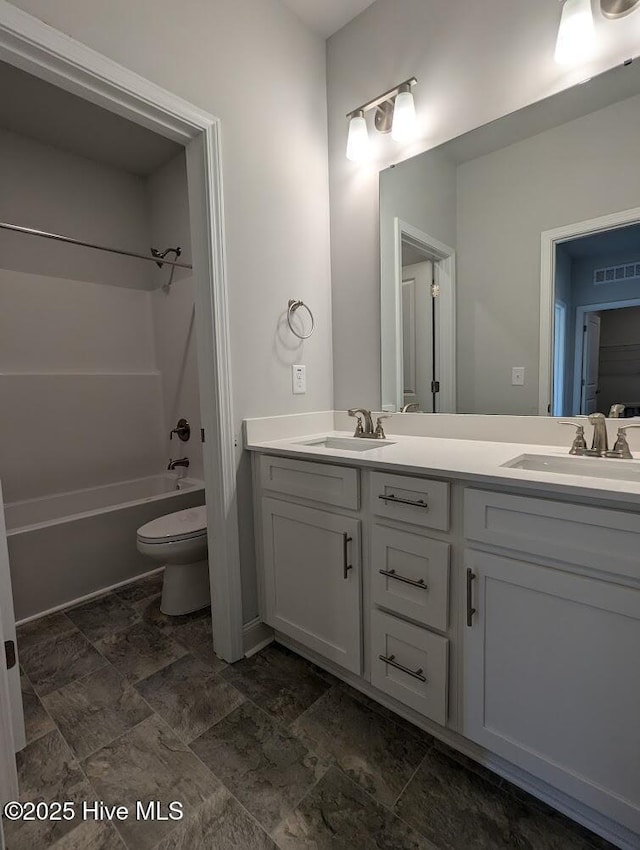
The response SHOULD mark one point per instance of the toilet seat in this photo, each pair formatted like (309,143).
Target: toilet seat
(181,525)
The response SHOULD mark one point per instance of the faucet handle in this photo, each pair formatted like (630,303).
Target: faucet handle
(379,432)
(621,445)
(579,445)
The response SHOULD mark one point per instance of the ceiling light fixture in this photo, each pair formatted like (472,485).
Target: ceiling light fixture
(577,33)
(395,114)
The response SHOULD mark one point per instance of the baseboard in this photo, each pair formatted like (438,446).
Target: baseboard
(89,596)
(255,636)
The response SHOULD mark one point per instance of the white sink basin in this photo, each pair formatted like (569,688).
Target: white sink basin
(348,444)
(593,467)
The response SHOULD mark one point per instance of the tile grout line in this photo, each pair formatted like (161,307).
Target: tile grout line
(231,794)
(410,780)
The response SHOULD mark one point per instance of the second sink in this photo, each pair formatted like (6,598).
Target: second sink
(593,467)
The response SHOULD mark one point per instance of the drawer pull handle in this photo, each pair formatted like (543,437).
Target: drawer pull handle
(345,554)
(420,503)
(393,574)
(391,659)
(470,610)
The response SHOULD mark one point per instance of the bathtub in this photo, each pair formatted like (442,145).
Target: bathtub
(70,546)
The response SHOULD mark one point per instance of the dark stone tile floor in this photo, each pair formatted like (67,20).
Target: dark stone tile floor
(123,703)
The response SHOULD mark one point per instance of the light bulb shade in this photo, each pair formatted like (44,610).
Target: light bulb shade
(358,148)
(403,128)
(577,33)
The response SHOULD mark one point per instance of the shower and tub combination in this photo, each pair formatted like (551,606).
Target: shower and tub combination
(68,547)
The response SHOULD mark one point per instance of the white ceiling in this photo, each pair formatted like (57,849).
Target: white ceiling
(327,16)
(48,114)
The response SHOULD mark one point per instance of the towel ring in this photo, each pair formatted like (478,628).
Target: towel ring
(294,304)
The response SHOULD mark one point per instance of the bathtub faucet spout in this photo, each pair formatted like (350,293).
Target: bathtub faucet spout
(183,461)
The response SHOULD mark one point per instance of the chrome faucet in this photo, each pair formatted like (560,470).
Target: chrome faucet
(183,461)
(367,430)
(600,444)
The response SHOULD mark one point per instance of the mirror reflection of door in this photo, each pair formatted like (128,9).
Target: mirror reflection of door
(417,335)
(590,363)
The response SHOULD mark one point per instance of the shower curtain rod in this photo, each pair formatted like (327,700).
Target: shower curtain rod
(30,231)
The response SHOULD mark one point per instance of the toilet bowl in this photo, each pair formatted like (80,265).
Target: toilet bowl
(179,541)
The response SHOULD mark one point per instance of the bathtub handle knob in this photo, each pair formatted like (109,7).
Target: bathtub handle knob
(182,429)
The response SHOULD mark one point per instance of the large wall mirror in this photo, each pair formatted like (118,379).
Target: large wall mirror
(510,261)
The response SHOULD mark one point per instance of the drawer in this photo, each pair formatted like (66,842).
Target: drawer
(319,482)
(416,668)
(598,538)
(415,500)
(411,575)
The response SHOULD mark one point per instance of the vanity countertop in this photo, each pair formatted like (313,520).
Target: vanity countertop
(477,461)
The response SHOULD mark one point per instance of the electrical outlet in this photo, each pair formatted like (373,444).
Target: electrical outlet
(299,379)
(517,376)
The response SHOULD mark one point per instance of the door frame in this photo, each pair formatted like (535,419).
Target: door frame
(581,312)
(443,258)
(549,239)
(44,52)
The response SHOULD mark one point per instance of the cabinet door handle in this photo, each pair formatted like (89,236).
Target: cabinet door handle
(393,574)
(345,554)
(420,503)
(470,610)
(391,659)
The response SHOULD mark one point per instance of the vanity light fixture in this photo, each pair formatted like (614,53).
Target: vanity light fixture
(618,8)
(577,33)
(395,114)
(358,146)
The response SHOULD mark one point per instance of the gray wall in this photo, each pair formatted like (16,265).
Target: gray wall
(255,66)
(474,63)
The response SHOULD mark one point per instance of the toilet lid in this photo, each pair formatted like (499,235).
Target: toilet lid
(180,525)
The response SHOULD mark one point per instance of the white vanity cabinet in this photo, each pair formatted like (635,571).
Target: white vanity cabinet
(508,625)
(312,571)
(551,673)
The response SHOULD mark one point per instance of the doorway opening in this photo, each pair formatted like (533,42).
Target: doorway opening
(596,342)
(590,272)
(418,335)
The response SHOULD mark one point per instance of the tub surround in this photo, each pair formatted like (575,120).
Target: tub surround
(495,607)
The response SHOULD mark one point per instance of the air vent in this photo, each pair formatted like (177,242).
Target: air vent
(617,274)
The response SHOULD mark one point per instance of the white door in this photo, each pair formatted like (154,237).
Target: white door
(417,333)
(590,362)
(552,681)
(312,579)
(11,716)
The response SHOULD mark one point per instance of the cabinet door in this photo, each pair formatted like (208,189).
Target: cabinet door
(552,680)
(312,579)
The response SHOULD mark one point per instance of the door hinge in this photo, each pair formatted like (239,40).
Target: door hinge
(435,386)
(10,654)
(435,290)
(202,435)
(584,329)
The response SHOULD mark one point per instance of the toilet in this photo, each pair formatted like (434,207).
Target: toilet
(179,541)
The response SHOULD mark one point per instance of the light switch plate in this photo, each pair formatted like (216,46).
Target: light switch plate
(517,376)
(299,379)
